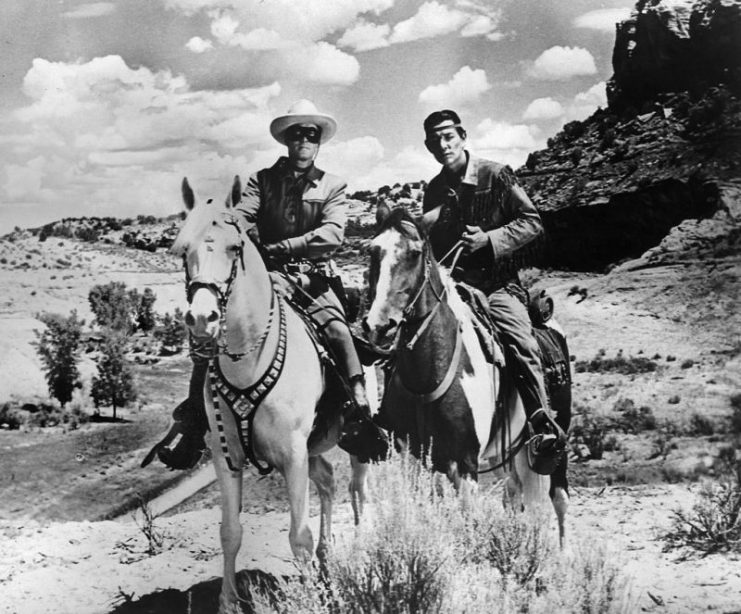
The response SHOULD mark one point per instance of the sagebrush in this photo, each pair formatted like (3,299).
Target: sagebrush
(420,549)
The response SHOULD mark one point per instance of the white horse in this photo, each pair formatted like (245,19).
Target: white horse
(267,369)
(443,396)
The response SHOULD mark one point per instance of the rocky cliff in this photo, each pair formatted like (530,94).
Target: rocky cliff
(667,148)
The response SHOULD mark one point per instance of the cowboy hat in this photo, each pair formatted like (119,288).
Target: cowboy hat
(303,112)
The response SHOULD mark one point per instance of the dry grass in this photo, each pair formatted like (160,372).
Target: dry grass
(419,551)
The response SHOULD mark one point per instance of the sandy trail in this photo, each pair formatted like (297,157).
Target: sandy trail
(86,568)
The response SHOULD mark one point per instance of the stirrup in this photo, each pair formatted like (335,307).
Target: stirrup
(363,438)
(545,451)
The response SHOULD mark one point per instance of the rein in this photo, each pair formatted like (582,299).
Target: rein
(426,398)
(408,310)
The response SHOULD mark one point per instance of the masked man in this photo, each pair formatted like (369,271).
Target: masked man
(297,213)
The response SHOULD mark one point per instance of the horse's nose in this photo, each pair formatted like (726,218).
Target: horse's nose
(190,319)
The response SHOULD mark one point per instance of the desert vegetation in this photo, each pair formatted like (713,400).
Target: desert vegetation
(419,551)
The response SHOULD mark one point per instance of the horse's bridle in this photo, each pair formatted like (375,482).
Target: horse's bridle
(409,309)
(223,290)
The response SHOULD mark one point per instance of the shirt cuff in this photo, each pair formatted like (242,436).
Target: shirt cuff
(297,246)
(495,242)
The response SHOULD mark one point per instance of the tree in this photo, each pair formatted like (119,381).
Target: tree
(59,348)
(114,306)
(145,317)
(114,383)
(172,333)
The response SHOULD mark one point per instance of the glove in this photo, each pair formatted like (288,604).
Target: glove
(282,248)
(282,284)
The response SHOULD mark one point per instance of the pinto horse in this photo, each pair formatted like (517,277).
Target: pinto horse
(443,395)
(266,380)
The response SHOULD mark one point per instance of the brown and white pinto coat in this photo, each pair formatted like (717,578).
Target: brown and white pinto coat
(451,404)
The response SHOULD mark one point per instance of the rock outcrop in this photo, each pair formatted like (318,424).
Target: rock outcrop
(667,148)
(672,46)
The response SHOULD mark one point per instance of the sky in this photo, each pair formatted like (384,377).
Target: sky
(106,106)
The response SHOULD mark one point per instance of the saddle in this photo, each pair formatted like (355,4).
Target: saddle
(552,344)
(483,324)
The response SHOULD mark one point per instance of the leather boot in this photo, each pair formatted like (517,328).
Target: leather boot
(183,445)
(547,443)
(360,436)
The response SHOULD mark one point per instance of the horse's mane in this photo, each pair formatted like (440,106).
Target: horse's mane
(200,218)
(400,219)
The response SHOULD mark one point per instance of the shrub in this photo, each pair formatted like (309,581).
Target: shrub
(10,417)
(58,346)
(114,306)
(620,364)
(171,333)
(511,542)
(422,550)
(590,431)
(145,317)
(713,524)
(88,233)
(634,419)
(701,426)
(114,383)
(145,520)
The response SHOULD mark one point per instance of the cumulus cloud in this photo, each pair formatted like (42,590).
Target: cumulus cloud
(91,9)
(292,21)
(433,18)
(483,25)
(504,142)
(581,106)
(543,108)
(102,138)
(323,63)
(198,44)
(364,36)
(224,29)
(465,86)
(560,63)
(586,103)
(602,19)
(372,170)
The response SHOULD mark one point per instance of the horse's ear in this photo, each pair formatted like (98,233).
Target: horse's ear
(426,221)
(236,195)
(382,212)
(188,198)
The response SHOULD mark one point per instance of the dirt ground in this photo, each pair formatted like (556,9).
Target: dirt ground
(683,316)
